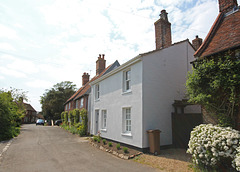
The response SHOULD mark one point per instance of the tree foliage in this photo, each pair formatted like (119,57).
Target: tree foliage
(215,84)
(52,100)
(11,112)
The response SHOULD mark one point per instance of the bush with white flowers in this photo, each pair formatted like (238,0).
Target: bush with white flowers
(236,161)
(211,145)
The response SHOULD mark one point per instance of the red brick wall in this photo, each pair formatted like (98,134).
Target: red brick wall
(163,38)
(85,78)
(227,5)
(73,104)
(100,64)
(197,42)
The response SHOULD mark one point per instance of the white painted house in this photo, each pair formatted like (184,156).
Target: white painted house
(138,95)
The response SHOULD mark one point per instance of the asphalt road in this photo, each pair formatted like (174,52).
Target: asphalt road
(45,148)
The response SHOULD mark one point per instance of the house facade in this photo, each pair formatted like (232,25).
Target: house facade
(138,95)
(80,99)
(31,114)
(223,37)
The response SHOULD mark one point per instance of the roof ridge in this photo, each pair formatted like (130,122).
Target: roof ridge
(142,54)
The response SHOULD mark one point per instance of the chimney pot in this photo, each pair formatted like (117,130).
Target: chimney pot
(163,15)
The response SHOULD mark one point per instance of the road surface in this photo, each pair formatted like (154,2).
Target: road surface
(52,149)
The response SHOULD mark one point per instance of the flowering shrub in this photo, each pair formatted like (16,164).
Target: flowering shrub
(236,161)
(211,145)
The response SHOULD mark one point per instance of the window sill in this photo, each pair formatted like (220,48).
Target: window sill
(127,134)
(104,129)
(127,92)
(97,100)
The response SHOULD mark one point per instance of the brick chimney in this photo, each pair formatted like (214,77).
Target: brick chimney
(197,42)
(227,5)
(163,36)
(100,64)
(85,78)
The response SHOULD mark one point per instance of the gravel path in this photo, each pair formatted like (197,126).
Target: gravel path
(168,160)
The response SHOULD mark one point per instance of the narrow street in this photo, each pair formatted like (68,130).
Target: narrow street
(45,148)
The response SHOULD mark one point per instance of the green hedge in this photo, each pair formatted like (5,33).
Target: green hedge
(10,116)
(75,126)
(65,117)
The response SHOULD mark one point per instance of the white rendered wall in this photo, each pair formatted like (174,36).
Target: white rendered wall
(113,100)
(164,78)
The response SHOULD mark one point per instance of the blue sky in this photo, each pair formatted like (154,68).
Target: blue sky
(44,42)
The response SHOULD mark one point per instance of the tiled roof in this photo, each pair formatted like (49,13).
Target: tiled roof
(75,94)
(29,107)
(84,89)
(224,35)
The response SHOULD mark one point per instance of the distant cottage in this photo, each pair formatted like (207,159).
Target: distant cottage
(31,114)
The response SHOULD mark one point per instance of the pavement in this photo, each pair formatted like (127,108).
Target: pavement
(46,148)
(4,145)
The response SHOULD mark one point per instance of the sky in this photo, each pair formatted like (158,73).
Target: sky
(45,42)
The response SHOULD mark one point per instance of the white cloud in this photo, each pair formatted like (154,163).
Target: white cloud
(6,32)
(12,72)
(16,67)
(17,25)
(6,46)
(24,66)
(38,83)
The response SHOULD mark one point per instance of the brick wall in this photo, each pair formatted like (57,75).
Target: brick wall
(85,78)
(227,5)
(197,42)
(100,64)
(163,38)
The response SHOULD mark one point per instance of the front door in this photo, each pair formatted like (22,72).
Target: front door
(96,119)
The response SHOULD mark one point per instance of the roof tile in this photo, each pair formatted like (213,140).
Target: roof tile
(224,35)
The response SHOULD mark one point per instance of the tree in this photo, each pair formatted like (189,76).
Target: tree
(52,100)
(11,113)
(215,84)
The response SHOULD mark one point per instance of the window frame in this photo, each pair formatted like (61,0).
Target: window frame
(104,119)
(76,104)
(127,121)
(81,102)
(97,92)
(127,80)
